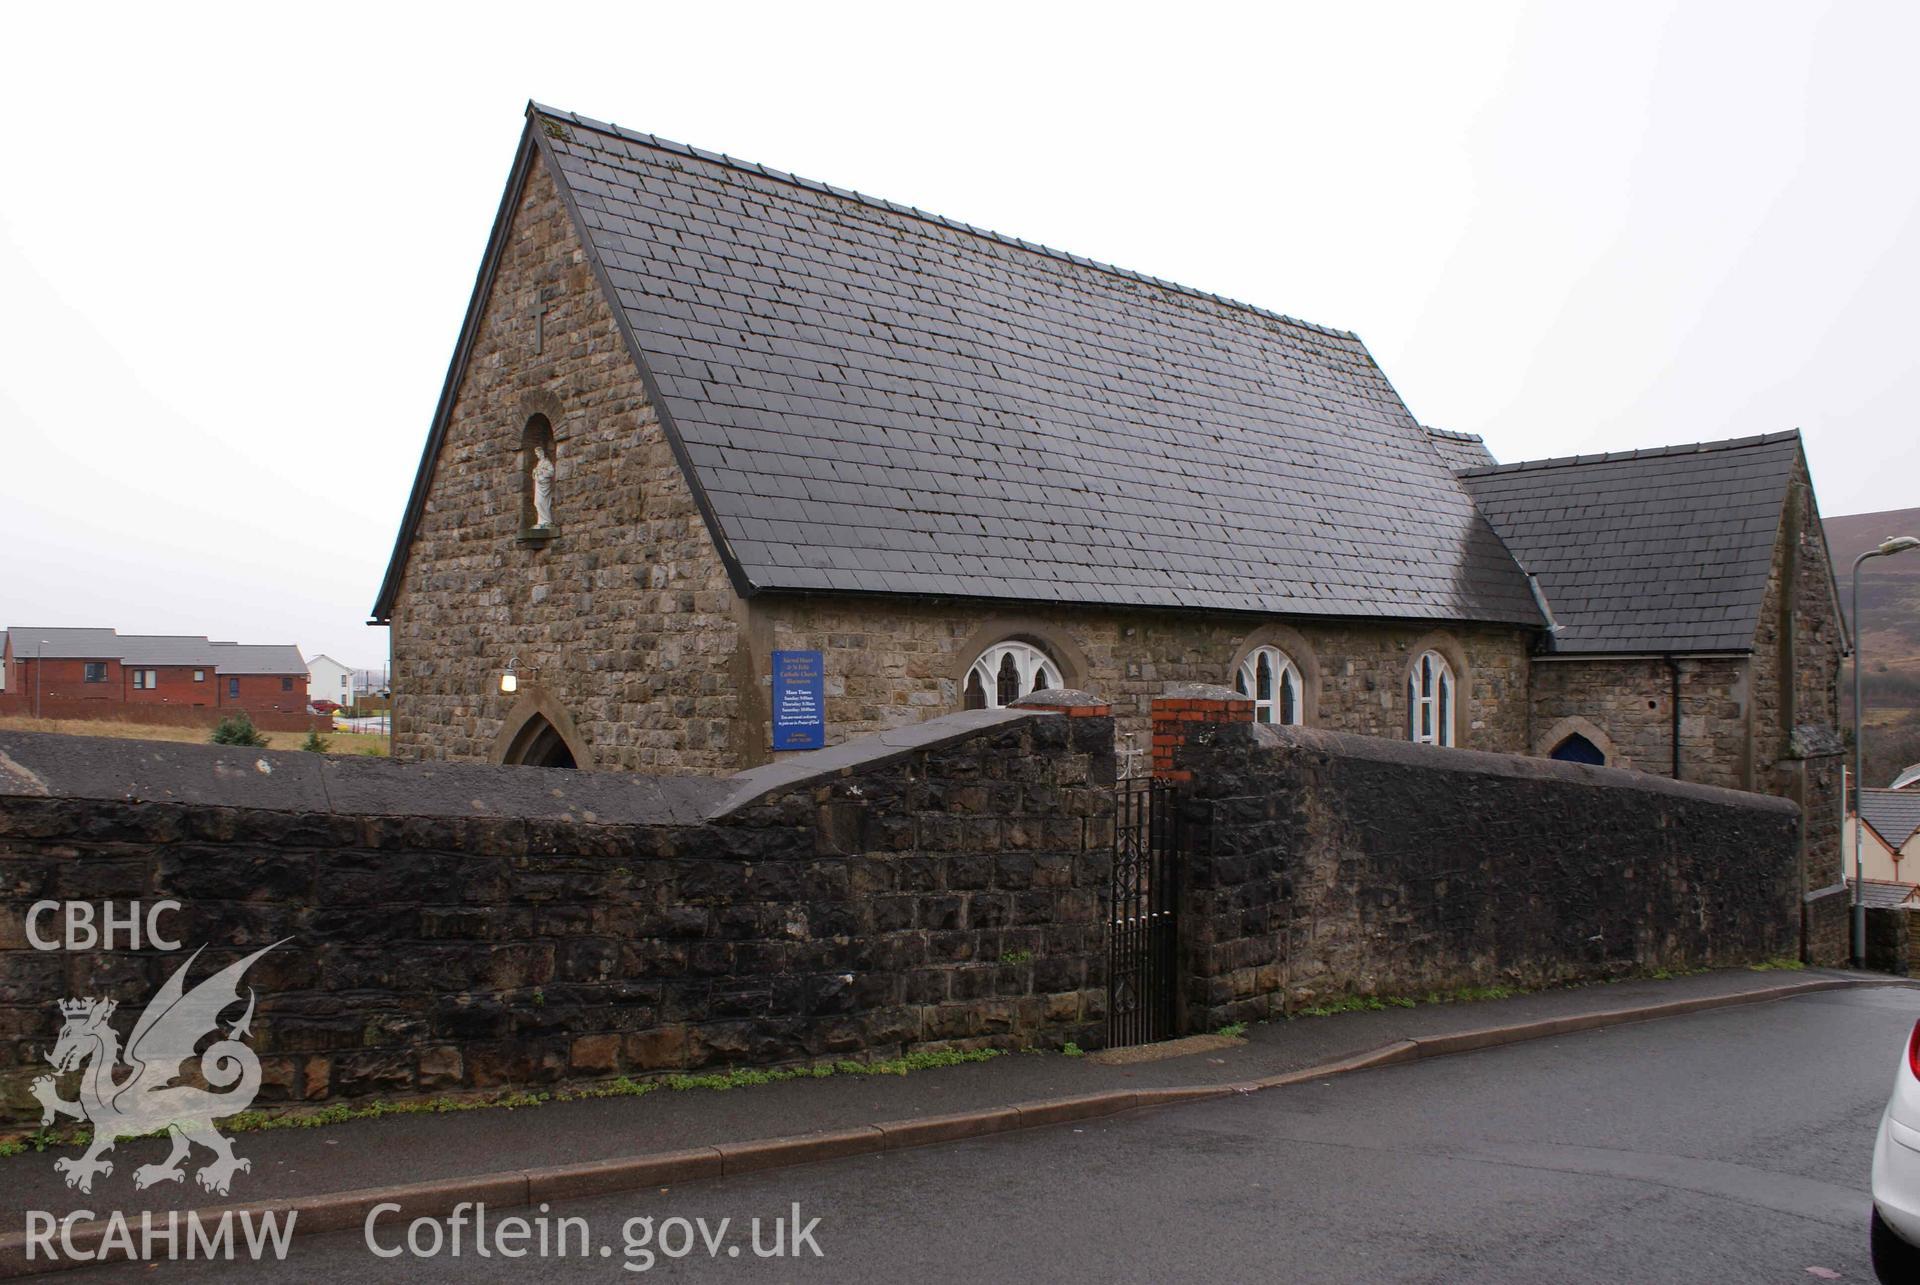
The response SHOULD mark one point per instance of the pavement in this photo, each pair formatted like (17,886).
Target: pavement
(583,1150)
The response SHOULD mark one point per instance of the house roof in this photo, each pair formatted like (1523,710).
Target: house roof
(1884,894)
(157,649)
(1910,776)
(60,643)
(165,649)
(1663,550)
(267,658)
(869,398)
(1894,814)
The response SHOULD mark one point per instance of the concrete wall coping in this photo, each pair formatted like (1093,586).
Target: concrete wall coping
(1380,749)
(1201,692)
(51,765)
(757,783)
(1060,698)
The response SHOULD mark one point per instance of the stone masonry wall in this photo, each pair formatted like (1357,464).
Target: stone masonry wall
(1631,703)
(1322,865)
(1800,625)
(893,662)
(1826,928)
(625,619)
(575,926)
(1798,648)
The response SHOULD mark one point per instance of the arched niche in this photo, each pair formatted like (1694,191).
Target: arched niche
(537,442)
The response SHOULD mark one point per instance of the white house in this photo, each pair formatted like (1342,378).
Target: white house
(1892,833)
(329,680)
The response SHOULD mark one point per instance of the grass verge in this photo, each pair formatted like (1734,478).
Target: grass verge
(624,1087)
(338,743)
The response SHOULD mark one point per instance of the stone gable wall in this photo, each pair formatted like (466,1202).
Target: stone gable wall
(626,618)
(1798,650)
(1815,643)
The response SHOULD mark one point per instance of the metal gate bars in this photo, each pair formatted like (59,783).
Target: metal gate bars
(1142,924)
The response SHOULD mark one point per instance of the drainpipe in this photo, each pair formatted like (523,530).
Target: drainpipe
(1673,669)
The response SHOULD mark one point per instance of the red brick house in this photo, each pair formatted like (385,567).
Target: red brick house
(69,673)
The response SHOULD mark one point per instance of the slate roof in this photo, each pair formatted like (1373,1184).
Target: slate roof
(245,658)
(158,649)
(1663,550)
(1895,814)
(1907,777)
(64,643)
(870,398)
(1883,894)
(1460,451)
(165,649)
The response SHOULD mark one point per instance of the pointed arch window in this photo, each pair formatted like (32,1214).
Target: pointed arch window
(1430,699)
(1007,671)
(1272,680)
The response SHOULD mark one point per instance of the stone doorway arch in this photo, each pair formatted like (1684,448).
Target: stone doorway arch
(538,733)
(540,744)
(1562,741)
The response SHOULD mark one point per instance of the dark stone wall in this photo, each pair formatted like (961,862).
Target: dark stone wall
(1322,865)
(937,892)
(1888,940)
(1826,917)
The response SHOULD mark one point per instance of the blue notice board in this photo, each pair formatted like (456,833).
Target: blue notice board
(799,700)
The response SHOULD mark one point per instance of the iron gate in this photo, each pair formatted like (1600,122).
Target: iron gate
(1142,925)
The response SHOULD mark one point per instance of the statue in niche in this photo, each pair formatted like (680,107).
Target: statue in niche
(542,474)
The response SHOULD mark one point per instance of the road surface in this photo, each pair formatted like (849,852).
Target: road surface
(1731,1146)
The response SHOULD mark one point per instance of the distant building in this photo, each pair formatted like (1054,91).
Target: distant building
(66,672)
(1907,779)
(1892,833)
(329,680)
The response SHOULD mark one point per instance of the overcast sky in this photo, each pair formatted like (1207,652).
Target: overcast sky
(236,244)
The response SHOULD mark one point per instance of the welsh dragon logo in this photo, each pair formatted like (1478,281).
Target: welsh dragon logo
(150,1099)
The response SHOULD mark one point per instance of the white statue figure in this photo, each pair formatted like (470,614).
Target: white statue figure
(542,488)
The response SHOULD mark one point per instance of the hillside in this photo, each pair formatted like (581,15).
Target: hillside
(1890,613)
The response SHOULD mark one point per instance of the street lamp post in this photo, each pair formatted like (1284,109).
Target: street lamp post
(1891,545)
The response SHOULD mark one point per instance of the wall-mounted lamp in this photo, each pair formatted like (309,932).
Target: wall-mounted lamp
(509,681)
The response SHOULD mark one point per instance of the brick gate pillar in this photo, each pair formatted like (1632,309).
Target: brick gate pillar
(1181,709)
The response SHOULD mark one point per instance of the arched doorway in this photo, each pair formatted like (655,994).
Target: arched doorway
(1578,749)
(538,733)
(539,744)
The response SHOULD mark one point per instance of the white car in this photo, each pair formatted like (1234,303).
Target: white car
(1896,1176)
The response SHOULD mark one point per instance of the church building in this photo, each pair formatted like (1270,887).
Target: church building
(704,415)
